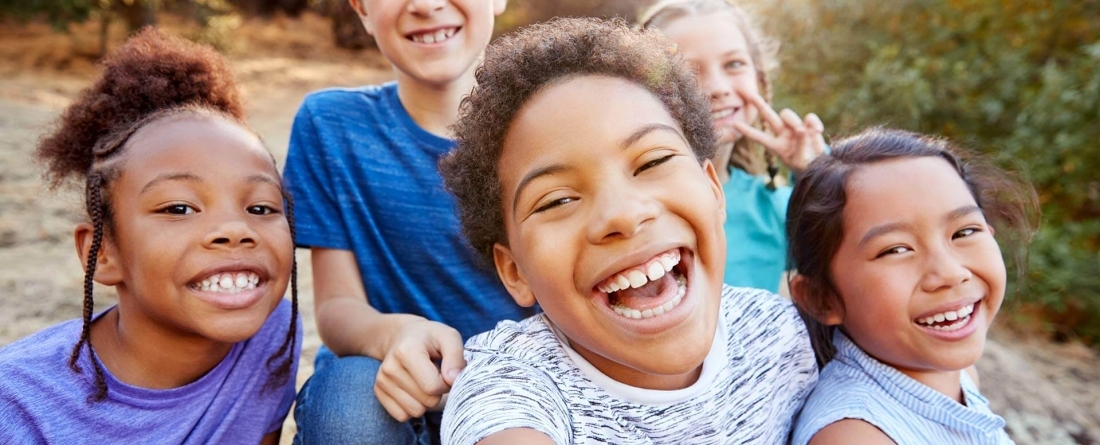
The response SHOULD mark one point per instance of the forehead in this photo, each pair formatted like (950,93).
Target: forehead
(202,144)
(903,189)
(708,34)
(572,119)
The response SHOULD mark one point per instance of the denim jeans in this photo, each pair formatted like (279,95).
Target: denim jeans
(337,405)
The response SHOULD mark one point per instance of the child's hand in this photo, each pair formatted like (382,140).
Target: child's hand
(796,142)
(409,382)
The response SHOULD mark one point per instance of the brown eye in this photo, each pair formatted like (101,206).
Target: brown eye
(261,210)
(555,203)
(965,233)
(178,209)
(653,163)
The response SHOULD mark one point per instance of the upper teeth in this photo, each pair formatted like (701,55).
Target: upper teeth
(629,312)
(229,282)
(433,37)
(721,113)
(640,275)
(964,312)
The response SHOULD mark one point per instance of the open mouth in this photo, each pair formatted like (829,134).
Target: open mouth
(949,321)
(228,282)
(723,113)
(434,36)
(647,290)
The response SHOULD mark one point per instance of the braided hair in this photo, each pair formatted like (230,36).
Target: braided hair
(150,78)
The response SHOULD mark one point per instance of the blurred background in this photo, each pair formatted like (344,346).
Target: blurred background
(1018,80)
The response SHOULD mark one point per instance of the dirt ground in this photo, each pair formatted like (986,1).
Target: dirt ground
(1048,392)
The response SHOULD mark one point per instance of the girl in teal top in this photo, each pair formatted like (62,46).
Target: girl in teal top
(731,61)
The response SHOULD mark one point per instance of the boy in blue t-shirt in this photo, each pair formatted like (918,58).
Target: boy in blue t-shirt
(396,289)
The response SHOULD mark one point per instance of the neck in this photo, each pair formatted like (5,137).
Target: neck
(636,378)
(434,107)
(948,383)
(721,161)
(142,353)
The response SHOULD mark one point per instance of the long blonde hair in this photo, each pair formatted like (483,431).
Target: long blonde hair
(746,155)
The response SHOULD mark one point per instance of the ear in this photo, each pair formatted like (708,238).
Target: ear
(512,277)
(716,188)
(360,10)
(824,312)
(107,271)
(498,6)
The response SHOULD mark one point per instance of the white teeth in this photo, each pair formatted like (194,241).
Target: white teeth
(681,289)
(440,35)
(637,279)
(641,276)
(228,282)
(721,113)
(960,314)
(656,271)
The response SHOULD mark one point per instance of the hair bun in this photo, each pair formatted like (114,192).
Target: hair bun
(149,73)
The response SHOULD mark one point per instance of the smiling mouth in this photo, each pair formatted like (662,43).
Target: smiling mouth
(723,113)
(431,37)
(949,320)
(648,290)
(228,282)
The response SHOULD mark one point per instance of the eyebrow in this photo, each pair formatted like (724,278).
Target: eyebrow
(559,168)
(191,177)
(892,227)
(164,177)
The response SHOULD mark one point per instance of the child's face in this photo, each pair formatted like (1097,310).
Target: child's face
(433,42)
(198,201)
(599,185)
(918,269)
(718,53)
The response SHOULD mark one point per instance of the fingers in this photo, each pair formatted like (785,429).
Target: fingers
(766,112)
(792,121)
(400,405)
(451,359)
(750,132)
(813,123)
(400,392)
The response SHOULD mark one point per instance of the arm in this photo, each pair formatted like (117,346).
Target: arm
(271,438)
(408,382)
(849,431)
(517,435)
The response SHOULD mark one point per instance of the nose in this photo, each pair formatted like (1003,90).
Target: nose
(944,269)
(621,214)
(231,233)
(717,85)
(426,7)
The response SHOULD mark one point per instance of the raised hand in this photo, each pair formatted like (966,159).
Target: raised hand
(794,140)
(409,383)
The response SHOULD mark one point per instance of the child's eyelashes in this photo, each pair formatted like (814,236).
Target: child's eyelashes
(966,232)
(262,210)
(177,209)
(653,163)
(734,65)
(554,203)
(894,250)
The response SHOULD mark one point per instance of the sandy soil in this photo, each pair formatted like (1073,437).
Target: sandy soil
(1049,393)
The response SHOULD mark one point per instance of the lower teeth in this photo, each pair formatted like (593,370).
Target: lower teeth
(681,288)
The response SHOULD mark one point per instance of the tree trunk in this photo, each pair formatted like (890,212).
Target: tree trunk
(138,13)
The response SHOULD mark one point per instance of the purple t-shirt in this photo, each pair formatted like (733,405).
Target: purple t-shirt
(43,401)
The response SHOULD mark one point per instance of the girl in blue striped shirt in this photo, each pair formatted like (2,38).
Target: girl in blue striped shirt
(898,270)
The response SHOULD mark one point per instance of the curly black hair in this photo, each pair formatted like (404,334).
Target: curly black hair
(151,78)
(519,65)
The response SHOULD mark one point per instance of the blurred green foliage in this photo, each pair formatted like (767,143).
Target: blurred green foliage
(1016,79)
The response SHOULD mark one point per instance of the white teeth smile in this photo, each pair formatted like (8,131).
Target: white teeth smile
(641,275)
(715,115)
(434,37)
(232,283)
(681,288)
(960,317)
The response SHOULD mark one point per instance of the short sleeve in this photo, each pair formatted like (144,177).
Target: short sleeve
(308,178)
(496,393)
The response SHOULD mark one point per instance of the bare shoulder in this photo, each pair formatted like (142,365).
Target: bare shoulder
(517,435)
(848,431)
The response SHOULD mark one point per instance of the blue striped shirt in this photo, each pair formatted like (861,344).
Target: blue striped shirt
(856,386)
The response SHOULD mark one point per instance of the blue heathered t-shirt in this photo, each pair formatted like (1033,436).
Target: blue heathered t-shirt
(43,401)
(756,231)
(364,178)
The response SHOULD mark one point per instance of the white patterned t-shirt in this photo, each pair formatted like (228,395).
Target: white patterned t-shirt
(754,379)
